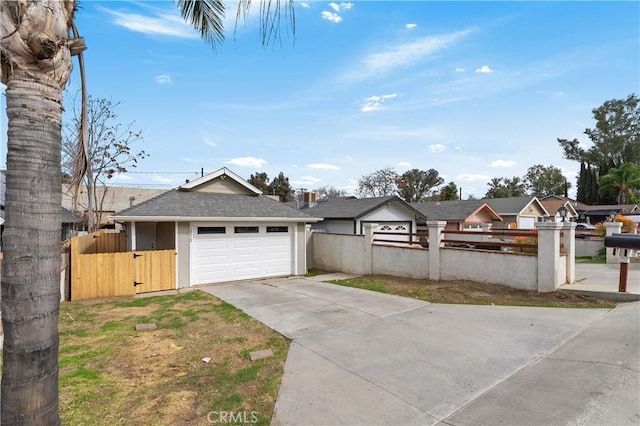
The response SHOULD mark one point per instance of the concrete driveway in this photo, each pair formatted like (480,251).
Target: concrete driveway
(364,358)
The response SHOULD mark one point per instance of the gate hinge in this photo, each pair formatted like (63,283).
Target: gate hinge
(136,283)
(136,255)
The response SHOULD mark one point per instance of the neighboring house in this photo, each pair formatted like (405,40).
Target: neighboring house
(459,215)
(552,204)
(517,212)
(601,213)
(115,198)
(70,223)
(348,215)
(222,228)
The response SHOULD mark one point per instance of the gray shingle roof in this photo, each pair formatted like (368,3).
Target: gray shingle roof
(68,217)
(511,205)
(457,211)
(352,208)
(177,203)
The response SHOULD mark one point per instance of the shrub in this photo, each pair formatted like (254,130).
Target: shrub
(627,225)
(525,240)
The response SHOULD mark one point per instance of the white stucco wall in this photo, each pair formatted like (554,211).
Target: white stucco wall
(400,261)
(335,252)
(511,269)
(588,247)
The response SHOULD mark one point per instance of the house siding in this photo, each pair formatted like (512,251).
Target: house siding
(334,226)
(223,186)
(391,213)
(184,255)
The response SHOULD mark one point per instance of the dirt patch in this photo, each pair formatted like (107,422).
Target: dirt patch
(470,292)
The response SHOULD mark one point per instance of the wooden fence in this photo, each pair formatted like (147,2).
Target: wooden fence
(99,242)
(101,267)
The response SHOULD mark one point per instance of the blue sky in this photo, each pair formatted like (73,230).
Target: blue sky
(472,89)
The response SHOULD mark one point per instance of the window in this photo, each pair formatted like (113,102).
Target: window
(211,230)
(246,229)
(277,229)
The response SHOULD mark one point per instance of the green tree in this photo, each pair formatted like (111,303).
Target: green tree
(414,185)
(449,192)
(542,181)
(35,64)
(505,188)
(260,181)
(280,186)
(623,181)
(379,183)
(615,138)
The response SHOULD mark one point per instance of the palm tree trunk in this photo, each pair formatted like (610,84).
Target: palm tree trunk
(31,241)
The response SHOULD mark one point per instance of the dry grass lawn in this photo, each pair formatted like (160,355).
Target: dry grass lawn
(111,374)
(469,292)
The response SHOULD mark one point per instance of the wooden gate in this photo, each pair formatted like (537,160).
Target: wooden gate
(95,274)
(122,274)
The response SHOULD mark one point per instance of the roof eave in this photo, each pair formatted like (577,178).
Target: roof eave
(213,219)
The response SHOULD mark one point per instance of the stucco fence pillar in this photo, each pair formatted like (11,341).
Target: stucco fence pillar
(369,229)
(435,243)
(550,273)
(568,242)
(612,228)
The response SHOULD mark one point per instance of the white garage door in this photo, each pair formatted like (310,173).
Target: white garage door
(397,231)
(525,222)
(222,253)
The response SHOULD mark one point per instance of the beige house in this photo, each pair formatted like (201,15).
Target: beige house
(517,212)
(115,198)
(222,228)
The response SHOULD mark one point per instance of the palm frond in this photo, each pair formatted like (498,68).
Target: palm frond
(271,14)
(207,17)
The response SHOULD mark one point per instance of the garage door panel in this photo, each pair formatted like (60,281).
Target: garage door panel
(230,256)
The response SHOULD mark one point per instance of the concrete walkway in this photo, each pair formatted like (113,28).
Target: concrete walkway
(364,358)
(602,280)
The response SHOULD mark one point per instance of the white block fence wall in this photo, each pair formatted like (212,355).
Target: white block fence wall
(544,272)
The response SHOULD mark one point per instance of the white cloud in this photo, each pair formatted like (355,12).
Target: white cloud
(253,162)
(467,177)
(342,6)
(161,179)
(190,160)
(304,4)
(323,166)
(120,177)
(160,24)
(209,142)
(374,103)
(407,54)
(484,70)
(404,164)
(164,79)
(438,147)
(348,157)
(410,26)
(306,181)
(458,148)
(459,69)
(503,163)
(332,17)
